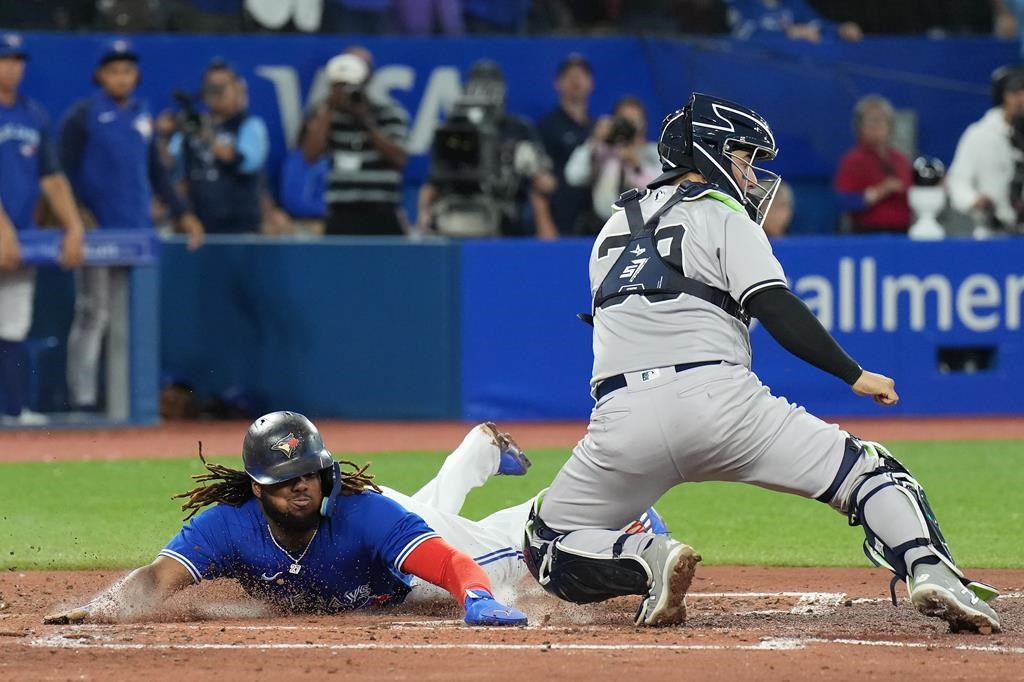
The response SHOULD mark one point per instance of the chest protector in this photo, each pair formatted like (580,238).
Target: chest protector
(641,270)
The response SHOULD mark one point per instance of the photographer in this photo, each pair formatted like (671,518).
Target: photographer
(616,157)
(365,142)
(221,154)
(488,171)
(987,158)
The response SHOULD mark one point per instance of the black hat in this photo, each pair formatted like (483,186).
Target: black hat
(1006,78)
(574,59)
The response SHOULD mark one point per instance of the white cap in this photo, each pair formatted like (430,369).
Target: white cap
(347,68)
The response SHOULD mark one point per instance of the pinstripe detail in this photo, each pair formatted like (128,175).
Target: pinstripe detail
(497,551)
(184,561)
(760,286)
(416,542)
(511,554)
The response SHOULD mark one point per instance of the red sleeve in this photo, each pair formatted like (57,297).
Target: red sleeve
(904,170)
(439,563)
(849,177)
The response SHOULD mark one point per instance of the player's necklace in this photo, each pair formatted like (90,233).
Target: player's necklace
(296,565)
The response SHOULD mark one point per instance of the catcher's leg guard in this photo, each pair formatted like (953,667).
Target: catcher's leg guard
(900,528)
(587,565)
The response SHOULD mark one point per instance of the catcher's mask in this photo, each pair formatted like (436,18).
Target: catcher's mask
(705,136)
(281,446)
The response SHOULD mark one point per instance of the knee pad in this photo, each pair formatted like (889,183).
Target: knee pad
(579,577)
(890,473)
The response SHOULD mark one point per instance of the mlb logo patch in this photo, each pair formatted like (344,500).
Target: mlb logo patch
(650,374)
(144,126)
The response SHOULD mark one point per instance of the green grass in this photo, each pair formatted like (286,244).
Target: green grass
(76,515)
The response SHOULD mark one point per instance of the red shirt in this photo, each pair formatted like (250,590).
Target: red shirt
(862,167)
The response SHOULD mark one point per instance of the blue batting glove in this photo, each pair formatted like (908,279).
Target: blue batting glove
(483,609)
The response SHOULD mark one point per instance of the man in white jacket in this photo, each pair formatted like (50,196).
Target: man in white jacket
(983,166)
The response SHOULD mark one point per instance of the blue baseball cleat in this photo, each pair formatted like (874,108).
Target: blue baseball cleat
(484,609)
(513,462)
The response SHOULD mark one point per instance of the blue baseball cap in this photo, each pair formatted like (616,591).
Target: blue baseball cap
(12,45)
(117,49)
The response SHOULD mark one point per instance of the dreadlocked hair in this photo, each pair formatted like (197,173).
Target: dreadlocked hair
(356,481)
(224,485)
(231,487)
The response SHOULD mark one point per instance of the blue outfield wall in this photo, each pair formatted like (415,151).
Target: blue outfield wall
(337,328)
(487,329)
(890,302)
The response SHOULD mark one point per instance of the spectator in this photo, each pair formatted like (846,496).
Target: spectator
(357,16)
(365,140)
(221,156)
(793,18)
(488,16)
(421,17)
(1008,19)
(302,189)
(673,16)
(616,157)
(108,150)
(566,127)
(873,177)
(979,178)
(279,14)
(488,171)
(28,164)
(780,213)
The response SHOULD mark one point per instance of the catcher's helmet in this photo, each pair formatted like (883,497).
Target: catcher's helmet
(704,135)
(283,445)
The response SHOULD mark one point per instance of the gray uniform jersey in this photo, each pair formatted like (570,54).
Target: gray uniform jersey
(712,423)
(714,243)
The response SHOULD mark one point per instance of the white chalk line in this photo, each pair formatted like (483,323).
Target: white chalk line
(808,603)
(767,644)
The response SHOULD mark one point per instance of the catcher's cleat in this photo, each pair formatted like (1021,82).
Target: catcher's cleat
(513,461)
(936,591)
(672,567)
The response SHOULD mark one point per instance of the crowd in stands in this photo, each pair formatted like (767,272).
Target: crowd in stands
(799,19)
(201,168)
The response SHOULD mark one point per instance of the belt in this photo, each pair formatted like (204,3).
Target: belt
(619,380)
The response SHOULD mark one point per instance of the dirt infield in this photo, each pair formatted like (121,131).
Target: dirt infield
(178,439)
(745,623)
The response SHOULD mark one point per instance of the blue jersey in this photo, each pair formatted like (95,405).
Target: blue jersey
(26,155)
(353,562)
(109,154)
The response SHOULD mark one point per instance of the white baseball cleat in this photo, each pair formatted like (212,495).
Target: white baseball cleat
(672,567)
(937,592)
(26,418)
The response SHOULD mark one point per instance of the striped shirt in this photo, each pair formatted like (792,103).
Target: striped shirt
(359,173)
